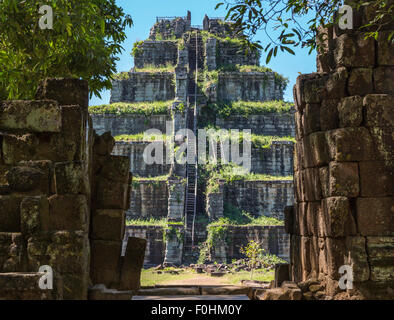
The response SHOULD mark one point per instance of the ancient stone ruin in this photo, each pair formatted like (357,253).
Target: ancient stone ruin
(344,184)
(66,191)
(164,77)
(60,189)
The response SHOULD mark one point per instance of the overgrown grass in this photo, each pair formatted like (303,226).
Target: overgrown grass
(234,216)
(258,275)
(140,137)
(151,68)
(258,141)
(231,172)
(147,222)
(135,108)
(158,178)
(150,277)
(246,108)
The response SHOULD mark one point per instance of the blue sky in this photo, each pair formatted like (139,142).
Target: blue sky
(144,15)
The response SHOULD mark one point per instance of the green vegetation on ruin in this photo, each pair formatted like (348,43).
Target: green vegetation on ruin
(231,172)
(225,109)
(134,108)
(157,178)
(218,231)
(152,222)
(140,137)
(151,68)
(258,141)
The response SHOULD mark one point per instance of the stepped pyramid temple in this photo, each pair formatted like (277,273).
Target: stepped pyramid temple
(91,195)
(199,77)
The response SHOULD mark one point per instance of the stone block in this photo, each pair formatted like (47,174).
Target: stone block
(73,137)
(18,148)
(383,141)
(382,80)
(3,172)
(47,184)
(133,261)
(30,116)
(289,219)
(299,125)
(12,252)
(104,144)
(76,286)
(23,179)
(375,216)
(338,220)
(329,114)
(350,144)
(111,194)
(10,220)
(116,168)
(34,212)
(311,118)
(381,258)
(356,257)
(379,110)
(350,111)
(319,152)
(108,225)
(282,273)
(23,286)
(314,89)
(335,87)
(37,247)
(305,252)
(344,179)
(360,82)
(300,219)
(105,262)
(312,187)
(68,252)
(69,178)
(68,212)
(354,51)
(65,91)
(385,50)
(376,179)
(324,181)
(312,215)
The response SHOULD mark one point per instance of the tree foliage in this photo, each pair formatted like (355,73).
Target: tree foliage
(84,42)
(283,21)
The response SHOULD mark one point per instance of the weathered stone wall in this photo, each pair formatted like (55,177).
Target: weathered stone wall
(149,199)
(157,53)
(138,166)
(230,54)
(155,248)
(274,240)
(268,198)
(59,190)
(270,124)
(144,86)
(275,161)
(168,28)
(344,168)
(128,124)
(249,86)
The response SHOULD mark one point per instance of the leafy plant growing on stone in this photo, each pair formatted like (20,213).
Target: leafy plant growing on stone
(289,24)
(252,251)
